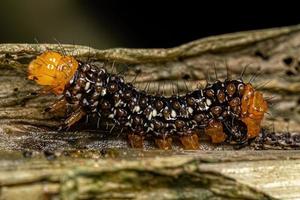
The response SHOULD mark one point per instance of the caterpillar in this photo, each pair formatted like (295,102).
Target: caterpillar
(229,111)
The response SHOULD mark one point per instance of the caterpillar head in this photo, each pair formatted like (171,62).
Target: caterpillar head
(52,70)
(254,106)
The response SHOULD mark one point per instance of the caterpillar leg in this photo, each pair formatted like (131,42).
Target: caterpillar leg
(136,141)
(190,141)
(216,132)
(59,105)
(164,143)
(253,126)
(74,117)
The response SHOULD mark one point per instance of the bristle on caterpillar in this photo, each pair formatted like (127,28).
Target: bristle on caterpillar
(227,111)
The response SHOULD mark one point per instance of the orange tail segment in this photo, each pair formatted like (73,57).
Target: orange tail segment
(254,106)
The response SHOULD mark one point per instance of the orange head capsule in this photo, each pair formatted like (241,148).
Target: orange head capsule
(52,70)
(254,106)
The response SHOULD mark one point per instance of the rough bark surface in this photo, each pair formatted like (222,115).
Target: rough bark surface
(85,163)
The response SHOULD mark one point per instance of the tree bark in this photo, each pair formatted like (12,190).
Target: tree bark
(85,163)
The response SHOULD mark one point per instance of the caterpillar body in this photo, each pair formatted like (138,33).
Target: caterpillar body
(227,111)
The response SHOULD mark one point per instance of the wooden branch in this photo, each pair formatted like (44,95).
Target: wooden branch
(199,175)
(82,173)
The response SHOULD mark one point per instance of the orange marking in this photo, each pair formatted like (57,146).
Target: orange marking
(52,70)
(190,141)
(215,131)
(164,143)
(136,141)
(253,109)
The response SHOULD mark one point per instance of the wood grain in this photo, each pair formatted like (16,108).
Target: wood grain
(85,163)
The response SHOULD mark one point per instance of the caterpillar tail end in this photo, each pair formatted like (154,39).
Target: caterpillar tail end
(253,106)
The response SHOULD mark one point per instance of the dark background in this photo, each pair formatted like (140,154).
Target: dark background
(140,24)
